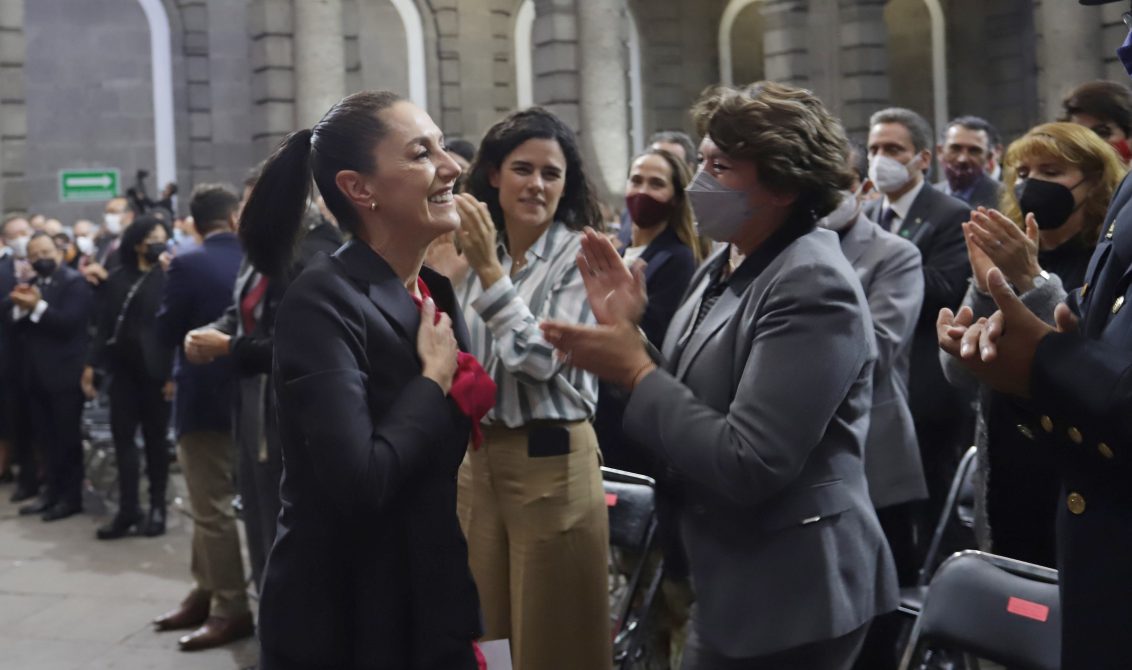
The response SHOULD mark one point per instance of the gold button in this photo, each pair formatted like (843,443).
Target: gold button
(1117,304)
(1105,450)
(1084,289)
(1074,435)
(1076,503)
(1025,430)
(1047,424)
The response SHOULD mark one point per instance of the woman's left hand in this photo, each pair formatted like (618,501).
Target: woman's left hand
(477,239)
(1011,250)
(615,353)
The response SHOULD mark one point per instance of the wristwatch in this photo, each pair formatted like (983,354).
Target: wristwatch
(1039,280)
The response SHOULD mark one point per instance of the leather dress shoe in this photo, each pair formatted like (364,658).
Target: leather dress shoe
(217,632)
(38,507)
(192,612)
(61,510)
(22,493)
(154,522)
(119,526)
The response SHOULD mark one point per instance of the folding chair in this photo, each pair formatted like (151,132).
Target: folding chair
(912,597)
(989,607)
(631,501)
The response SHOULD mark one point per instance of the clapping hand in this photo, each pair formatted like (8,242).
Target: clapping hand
(995,241)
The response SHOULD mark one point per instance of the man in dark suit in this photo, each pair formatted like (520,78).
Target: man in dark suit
(197,291)
(50,317)
(966,152)
(12,233)
(899,153)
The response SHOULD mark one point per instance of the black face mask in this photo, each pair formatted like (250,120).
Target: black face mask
(1051,203)
(45,267)
(153,251)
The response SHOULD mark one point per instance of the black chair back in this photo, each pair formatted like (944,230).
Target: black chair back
(991,607)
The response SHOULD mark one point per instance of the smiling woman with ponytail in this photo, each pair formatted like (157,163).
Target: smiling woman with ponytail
(377,400)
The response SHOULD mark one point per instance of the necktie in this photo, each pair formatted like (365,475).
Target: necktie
(250,302)
(889,220)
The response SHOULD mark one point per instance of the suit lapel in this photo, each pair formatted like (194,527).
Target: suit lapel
(720,313)
(383,287)
(686,313)
(858,239)
(917,219)
(445,298)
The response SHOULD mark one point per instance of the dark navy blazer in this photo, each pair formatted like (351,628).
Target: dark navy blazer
(198,288)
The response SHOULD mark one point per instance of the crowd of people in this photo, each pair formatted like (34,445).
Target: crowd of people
(410,360)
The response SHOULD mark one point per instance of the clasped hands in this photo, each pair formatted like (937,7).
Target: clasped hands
(25,296)
(999,350)
(613,349)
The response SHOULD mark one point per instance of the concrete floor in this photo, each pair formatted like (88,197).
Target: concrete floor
(70,602)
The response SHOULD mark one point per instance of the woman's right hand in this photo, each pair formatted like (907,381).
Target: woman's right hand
(436,345)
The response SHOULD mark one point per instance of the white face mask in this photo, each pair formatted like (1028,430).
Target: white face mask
(720,211)
(20,246)
(113,223)
(85,245)
(890,175)
(843,215)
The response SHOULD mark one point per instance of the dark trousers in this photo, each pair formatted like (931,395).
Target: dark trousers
(836,654)
(136,400)
(259,491)
(25,450)
(56,418)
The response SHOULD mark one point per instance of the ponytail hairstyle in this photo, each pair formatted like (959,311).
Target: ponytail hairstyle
(344,139)
(578,206)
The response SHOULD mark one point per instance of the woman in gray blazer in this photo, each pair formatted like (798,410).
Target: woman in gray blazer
(760,406)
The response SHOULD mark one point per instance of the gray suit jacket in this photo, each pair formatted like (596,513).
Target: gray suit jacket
(762,414)
(891,274)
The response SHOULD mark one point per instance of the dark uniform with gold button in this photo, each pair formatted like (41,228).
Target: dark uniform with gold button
(1081,387)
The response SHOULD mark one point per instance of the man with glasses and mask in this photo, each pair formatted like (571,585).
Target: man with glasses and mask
(1076,379)
(899,149)
(967,156)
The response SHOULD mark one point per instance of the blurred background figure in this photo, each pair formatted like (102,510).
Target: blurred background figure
(127,349)
(1105,107)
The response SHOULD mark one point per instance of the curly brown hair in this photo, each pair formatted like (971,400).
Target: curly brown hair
(796,145)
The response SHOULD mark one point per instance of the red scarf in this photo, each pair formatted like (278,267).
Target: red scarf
(472,389)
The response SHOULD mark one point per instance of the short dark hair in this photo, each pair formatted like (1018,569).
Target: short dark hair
(976,123)
(793,140)
(577,208)
(38,234)
(918,127)
(343,139)
(134,234)
(211,206)
(1106,100)
(462,148)
(678,137)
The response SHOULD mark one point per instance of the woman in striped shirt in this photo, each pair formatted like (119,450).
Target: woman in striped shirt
(537,529)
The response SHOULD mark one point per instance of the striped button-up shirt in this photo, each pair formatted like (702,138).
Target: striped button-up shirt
(505,337)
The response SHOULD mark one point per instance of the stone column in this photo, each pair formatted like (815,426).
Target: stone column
(13,107)
(603,107)
(786,41)
(1069,51)
(320,59)
(863,42)
(195,44)
(273,73)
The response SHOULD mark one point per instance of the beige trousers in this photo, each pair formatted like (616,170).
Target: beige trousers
(538,541)
(207,459)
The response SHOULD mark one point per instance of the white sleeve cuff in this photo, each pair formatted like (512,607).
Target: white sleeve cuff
(37,312)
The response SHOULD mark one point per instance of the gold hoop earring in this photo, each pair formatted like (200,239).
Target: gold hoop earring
(373,207)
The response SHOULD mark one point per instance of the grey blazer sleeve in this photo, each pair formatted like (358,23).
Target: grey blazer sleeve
(1041,301)
(808,347)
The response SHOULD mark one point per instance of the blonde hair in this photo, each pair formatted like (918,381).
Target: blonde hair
(1072,145)
(681,220)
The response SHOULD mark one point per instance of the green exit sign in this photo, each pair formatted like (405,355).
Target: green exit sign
(77,185)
